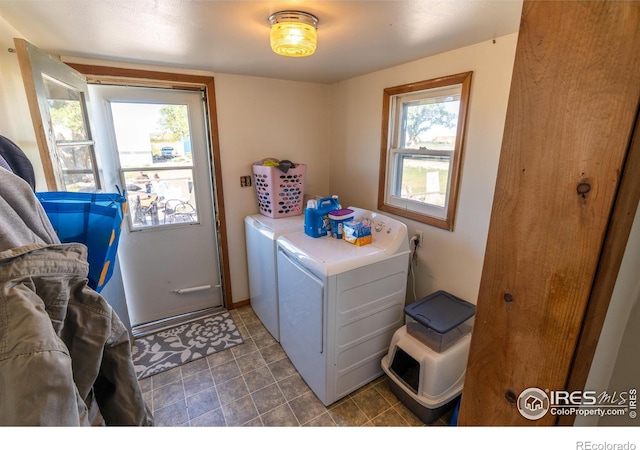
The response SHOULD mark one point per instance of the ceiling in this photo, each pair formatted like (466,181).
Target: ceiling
(223,36)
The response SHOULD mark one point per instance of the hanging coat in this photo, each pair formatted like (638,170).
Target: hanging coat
(65,356)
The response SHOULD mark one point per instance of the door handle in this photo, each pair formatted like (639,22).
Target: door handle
(193,289)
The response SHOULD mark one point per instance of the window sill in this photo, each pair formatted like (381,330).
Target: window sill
(445,224)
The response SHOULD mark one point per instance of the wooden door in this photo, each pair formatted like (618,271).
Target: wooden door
(570,118)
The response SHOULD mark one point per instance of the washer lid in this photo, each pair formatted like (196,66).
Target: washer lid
(275,227)
(329,256)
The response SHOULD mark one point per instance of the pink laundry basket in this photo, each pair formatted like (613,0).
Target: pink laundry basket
(280,194)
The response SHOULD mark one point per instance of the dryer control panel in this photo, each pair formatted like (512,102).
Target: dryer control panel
(388,234)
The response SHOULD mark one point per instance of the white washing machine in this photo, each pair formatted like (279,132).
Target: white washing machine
(261,233)
(341,303)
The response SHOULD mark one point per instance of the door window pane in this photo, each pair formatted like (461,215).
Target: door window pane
(152,134)
(161,198)
(74,149)
(66,109)
(155,156)
(76,162)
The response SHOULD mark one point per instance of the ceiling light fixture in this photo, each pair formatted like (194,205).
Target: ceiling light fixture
(293,33)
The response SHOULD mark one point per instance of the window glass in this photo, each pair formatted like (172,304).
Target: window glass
(423,178)
(76,162)
(74,149)
(159,138)
(430,121)
(65,107)
(156,162)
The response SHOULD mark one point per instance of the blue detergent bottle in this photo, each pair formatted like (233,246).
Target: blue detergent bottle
(316,220)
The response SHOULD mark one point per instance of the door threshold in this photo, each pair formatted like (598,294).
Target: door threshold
(148,328)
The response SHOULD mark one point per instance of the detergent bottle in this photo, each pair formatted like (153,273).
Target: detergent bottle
(316,219)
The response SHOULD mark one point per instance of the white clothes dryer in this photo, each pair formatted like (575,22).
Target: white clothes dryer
(340,304)
(261,233)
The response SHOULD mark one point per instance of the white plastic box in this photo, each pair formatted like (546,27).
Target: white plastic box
(437,341)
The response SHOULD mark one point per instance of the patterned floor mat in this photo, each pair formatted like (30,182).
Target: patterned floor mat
(173,347)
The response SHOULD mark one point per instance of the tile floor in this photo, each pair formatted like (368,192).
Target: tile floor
(255,384)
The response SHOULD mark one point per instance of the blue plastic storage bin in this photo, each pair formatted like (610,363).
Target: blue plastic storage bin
(92,219)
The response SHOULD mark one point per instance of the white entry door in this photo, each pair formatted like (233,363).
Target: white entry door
(157,150)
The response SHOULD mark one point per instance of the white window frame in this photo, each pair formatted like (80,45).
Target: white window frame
(394,152)
(36,67)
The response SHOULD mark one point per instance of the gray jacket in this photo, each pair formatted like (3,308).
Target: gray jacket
(65,356)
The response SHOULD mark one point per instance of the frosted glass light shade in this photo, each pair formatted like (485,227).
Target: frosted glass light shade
(293,33)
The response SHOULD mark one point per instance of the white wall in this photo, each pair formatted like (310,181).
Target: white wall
(451,261)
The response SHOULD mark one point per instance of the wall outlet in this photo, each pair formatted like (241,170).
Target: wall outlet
(245,181)
(418,236)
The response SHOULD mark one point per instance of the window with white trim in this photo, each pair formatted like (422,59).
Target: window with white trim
(421,149)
